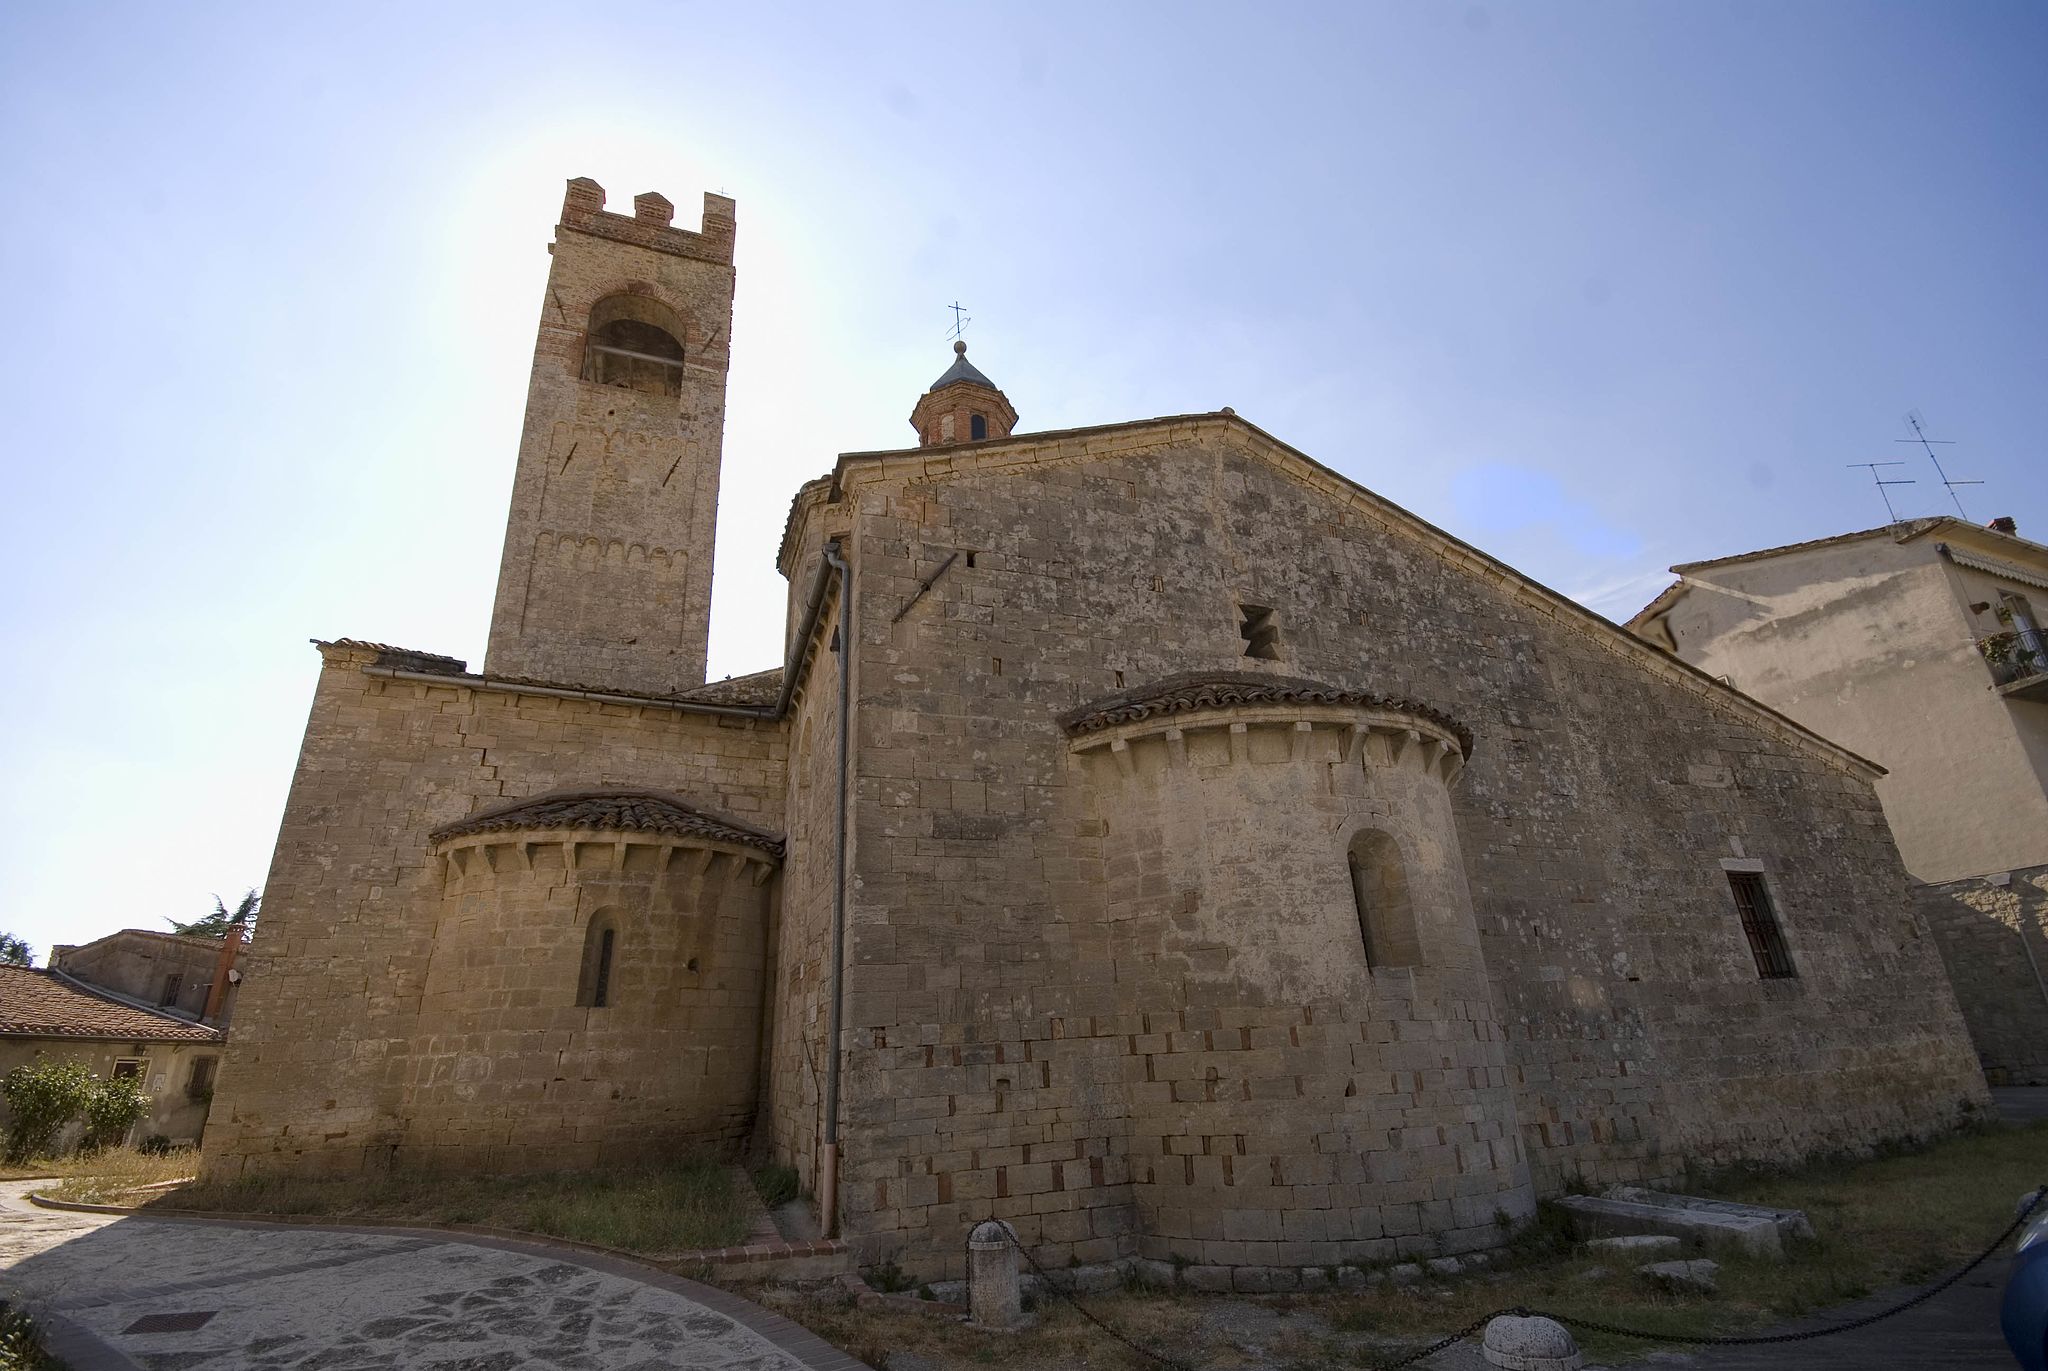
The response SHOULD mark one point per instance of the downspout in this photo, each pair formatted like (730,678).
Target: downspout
(828,1179)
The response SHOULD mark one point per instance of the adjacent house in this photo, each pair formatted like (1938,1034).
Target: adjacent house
(186,975)
(1918,645)
(45,1014)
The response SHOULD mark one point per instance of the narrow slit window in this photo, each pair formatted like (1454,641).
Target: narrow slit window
(1259,626)
(1760,926)
(1379,892)
(977,426)
(594,986)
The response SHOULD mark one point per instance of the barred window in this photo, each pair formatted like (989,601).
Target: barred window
(1760,925)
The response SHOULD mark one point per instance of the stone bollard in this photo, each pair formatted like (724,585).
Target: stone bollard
(995,1297)
(1531,1344)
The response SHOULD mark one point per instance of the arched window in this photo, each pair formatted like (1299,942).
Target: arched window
(1379,890)
(977,426)
(634,343)
(600,940)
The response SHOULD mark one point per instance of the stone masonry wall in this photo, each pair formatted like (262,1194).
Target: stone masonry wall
(799,1009)
(996,1036)
(1993,934)
(512,1070)
(316,1075)
(1352,1100)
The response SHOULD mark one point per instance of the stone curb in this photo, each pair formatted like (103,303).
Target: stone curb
(718,1258)
(87,1352)
(867,1297)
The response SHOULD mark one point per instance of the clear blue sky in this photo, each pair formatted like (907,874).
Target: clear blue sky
(1599,287)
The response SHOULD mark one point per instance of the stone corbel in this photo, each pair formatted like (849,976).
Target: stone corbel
(1176,749)
(1299,739)
(1352,748)
(1240,749)
(1120,753)
(1401,744)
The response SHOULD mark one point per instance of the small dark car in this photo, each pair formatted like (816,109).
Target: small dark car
(2024,1315)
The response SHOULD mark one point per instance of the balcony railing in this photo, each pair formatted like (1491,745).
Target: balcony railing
(2016,656)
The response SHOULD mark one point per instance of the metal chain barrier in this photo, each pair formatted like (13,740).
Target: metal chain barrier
(1573,1320)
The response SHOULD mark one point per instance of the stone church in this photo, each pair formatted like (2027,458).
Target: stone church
(1151,837)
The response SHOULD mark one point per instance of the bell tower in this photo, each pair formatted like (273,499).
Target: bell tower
(606,573)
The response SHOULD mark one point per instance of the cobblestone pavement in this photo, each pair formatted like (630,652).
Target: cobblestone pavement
(131,1294)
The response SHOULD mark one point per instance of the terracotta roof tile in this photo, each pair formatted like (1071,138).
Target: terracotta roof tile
(38,1004)
(1220,690)
(629,811)
(761,689)
(404,658)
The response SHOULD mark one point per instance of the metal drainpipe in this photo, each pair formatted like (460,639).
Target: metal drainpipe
(828,1180)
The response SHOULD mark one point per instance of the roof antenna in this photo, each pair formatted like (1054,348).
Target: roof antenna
(1920,437)
(1882,483)
(960,321)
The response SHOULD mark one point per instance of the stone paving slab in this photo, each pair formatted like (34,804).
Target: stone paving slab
(156,1294)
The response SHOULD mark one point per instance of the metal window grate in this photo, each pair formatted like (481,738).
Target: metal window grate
(1760,926)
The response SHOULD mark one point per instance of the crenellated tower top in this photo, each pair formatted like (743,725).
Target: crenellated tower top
(606,575)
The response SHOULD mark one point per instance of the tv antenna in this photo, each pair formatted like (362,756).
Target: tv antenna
(1920,437)
(1882,483)
(960,320)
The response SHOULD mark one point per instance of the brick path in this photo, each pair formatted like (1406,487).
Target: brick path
(135,1294)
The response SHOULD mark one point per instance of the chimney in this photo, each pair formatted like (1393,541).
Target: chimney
(217,993)
(2005,524)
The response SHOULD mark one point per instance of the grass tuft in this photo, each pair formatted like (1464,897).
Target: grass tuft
(777,1185)
(107,1177)
(21,1347)
(653,1210)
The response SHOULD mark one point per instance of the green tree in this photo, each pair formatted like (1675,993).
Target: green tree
(42,1097)
(112,1107)
(217,924)
(16,951)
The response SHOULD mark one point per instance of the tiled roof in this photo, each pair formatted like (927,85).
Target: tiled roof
(1222,690)
(39,1004)
(630,811)
(404,658)
(761,690)
(1900,531)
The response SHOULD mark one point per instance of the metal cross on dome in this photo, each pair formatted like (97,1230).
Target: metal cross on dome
(960,320)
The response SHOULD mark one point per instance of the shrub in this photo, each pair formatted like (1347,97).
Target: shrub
(43,1096)
(112,1107)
